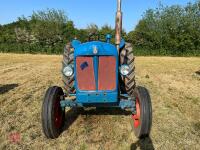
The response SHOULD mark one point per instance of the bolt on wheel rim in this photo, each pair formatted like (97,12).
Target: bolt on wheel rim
(58,114)
(136,117)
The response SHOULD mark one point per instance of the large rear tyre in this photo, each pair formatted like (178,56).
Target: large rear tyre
(68,59)
(128,83)
(142,119)
(52,114)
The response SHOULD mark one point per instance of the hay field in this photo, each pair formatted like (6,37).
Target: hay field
(172,82)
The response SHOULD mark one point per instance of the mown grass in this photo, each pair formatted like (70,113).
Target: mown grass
(172,82)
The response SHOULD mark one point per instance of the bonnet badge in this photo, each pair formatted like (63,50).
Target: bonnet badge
(95,50)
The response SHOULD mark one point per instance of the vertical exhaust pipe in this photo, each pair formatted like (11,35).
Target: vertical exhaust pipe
(118,25)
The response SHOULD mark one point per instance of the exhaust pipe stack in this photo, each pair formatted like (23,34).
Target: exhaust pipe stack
(118,25)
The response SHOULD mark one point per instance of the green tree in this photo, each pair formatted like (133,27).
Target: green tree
(168,30)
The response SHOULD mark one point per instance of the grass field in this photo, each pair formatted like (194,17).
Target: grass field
(172,82)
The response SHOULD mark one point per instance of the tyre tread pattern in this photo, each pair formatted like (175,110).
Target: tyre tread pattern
(127,57)
(47,115)
(146,112)
(67,60)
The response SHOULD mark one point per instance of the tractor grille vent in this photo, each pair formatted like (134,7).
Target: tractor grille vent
(96,73)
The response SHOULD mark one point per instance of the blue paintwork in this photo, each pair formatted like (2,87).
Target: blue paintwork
(72,94)
(108,38)
(84,65)
(96,68)
(123,104)
(109,97)
(103,49)
(127,104)
(122,43)
(75,43)
(97,96)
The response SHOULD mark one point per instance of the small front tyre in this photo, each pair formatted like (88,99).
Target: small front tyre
(52,114)
(142,119)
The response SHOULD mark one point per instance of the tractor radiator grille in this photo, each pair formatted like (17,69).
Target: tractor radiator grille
(105,75)
(85,73)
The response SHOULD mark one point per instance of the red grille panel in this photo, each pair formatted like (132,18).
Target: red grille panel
(107,73)
(85,73)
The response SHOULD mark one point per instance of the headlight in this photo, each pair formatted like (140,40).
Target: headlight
(124,70)
(68,71)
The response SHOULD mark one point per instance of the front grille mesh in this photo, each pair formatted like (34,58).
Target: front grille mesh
(86,73)
(107,73)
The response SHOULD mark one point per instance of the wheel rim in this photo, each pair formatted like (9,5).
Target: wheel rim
(136,117)
(58,114)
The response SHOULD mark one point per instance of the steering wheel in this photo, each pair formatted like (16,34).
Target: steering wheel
(94,36)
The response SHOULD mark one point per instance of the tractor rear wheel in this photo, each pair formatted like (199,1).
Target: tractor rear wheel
(68,59)
(142,119)
(128,83)
(53,117)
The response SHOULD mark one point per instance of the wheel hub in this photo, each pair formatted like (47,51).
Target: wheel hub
(58,114)
(136,117)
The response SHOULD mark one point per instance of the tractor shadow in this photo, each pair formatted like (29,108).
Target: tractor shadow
(106,111)
(72,114)
(143,144)
(6,88)
(198,72)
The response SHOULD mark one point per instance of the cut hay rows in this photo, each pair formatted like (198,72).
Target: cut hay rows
(173,84)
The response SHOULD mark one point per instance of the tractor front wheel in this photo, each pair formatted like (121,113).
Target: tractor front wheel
(142,119)
(52,114)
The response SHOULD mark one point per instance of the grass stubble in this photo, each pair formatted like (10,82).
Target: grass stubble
(172,82)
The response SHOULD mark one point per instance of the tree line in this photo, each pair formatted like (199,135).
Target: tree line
(166,30)
(173,30)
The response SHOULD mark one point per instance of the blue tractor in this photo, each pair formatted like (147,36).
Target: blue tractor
(98,74)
